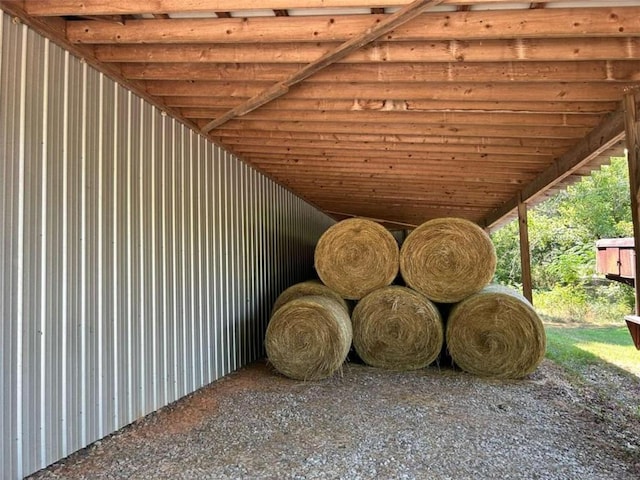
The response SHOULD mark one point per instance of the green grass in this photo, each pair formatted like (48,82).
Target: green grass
(580,346)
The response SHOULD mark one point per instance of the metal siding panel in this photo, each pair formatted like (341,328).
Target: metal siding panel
(218,263)
(172,288)
(240,273)
(147,318)
(122,277)
(107,393)
(211,254)
(205,263)
(196,357)
(32,288)
(91,255)
(157,294)
(232,245)
(5,449)
(225,271)
(14,61)
(164,217)
(144,260)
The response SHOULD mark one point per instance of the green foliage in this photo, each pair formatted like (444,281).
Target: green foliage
(583,303)
(600,202)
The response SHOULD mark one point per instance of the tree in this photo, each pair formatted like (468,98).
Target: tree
(564,228)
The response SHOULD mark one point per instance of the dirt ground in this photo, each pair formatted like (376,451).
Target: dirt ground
(435,423)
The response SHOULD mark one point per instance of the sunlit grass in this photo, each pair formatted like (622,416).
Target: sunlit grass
(579,346)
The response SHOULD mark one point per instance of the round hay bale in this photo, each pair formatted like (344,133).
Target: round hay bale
(496,333)
(305,289)
(447,259)
(308,338)
(397,328)
(355,257)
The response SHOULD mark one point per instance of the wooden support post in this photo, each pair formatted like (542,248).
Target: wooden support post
(632,132)
(525,255)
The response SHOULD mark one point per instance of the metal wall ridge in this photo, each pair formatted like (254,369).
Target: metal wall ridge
(138,260)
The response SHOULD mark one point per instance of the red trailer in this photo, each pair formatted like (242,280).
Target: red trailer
(615,258)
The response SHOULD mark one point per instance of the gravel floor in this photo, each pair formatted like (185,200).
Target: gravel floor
(369,423)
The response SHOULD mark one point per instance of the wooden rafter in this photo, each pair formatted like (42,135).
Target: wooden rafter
(399,18)
(497,50)
(105,7)
(539,23)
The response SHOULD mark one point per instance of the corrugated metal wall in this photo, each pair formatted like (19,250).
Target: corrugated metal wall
(138,261)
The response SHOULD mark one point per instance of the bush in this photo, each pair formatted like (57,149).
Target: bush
(585,303)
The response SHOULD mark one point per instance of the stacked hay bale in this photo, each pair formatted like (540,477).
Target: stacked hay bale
(355,257)
(490,331)
(308,338)
(397,328)
(496,333)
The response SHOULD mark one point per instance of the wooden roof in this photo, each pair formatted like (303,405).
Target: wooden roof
(395,110)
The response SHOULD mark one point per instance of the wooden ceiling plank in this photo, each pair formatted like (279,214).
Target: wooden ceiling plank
(223,135)
(367,160)
(472,91)
(385,179)
(497,50)
(494,24)
(407,181)
(428,141)
(534,72)
(453,118)
(418,105)
(112,7)
(481,197)
(516,131)
(370,34)
(346,147)
(600,139)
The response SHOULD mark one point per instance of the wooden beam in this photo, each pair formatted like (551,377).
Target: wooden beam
(107,7)
(426,106)
(396,20)
(525,253)
(599,140)
(588,71)
(363,182)
(430,166)
(494,24)
(468,91)
(497,50)
(515,131)
(238,135)
(416,118)
(631,109)
(346,146)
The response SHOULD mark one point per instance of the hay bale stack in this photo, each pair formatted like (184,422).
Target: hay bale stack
(496,333)
(305,289)
(355,257)
(447,259)
(309,338)
(397,329)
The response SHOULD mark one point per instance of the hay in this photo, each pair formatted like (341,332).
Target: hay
(447,259)
(308,338)
(305,289)
(397,329)
(496,333)
(355,257)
